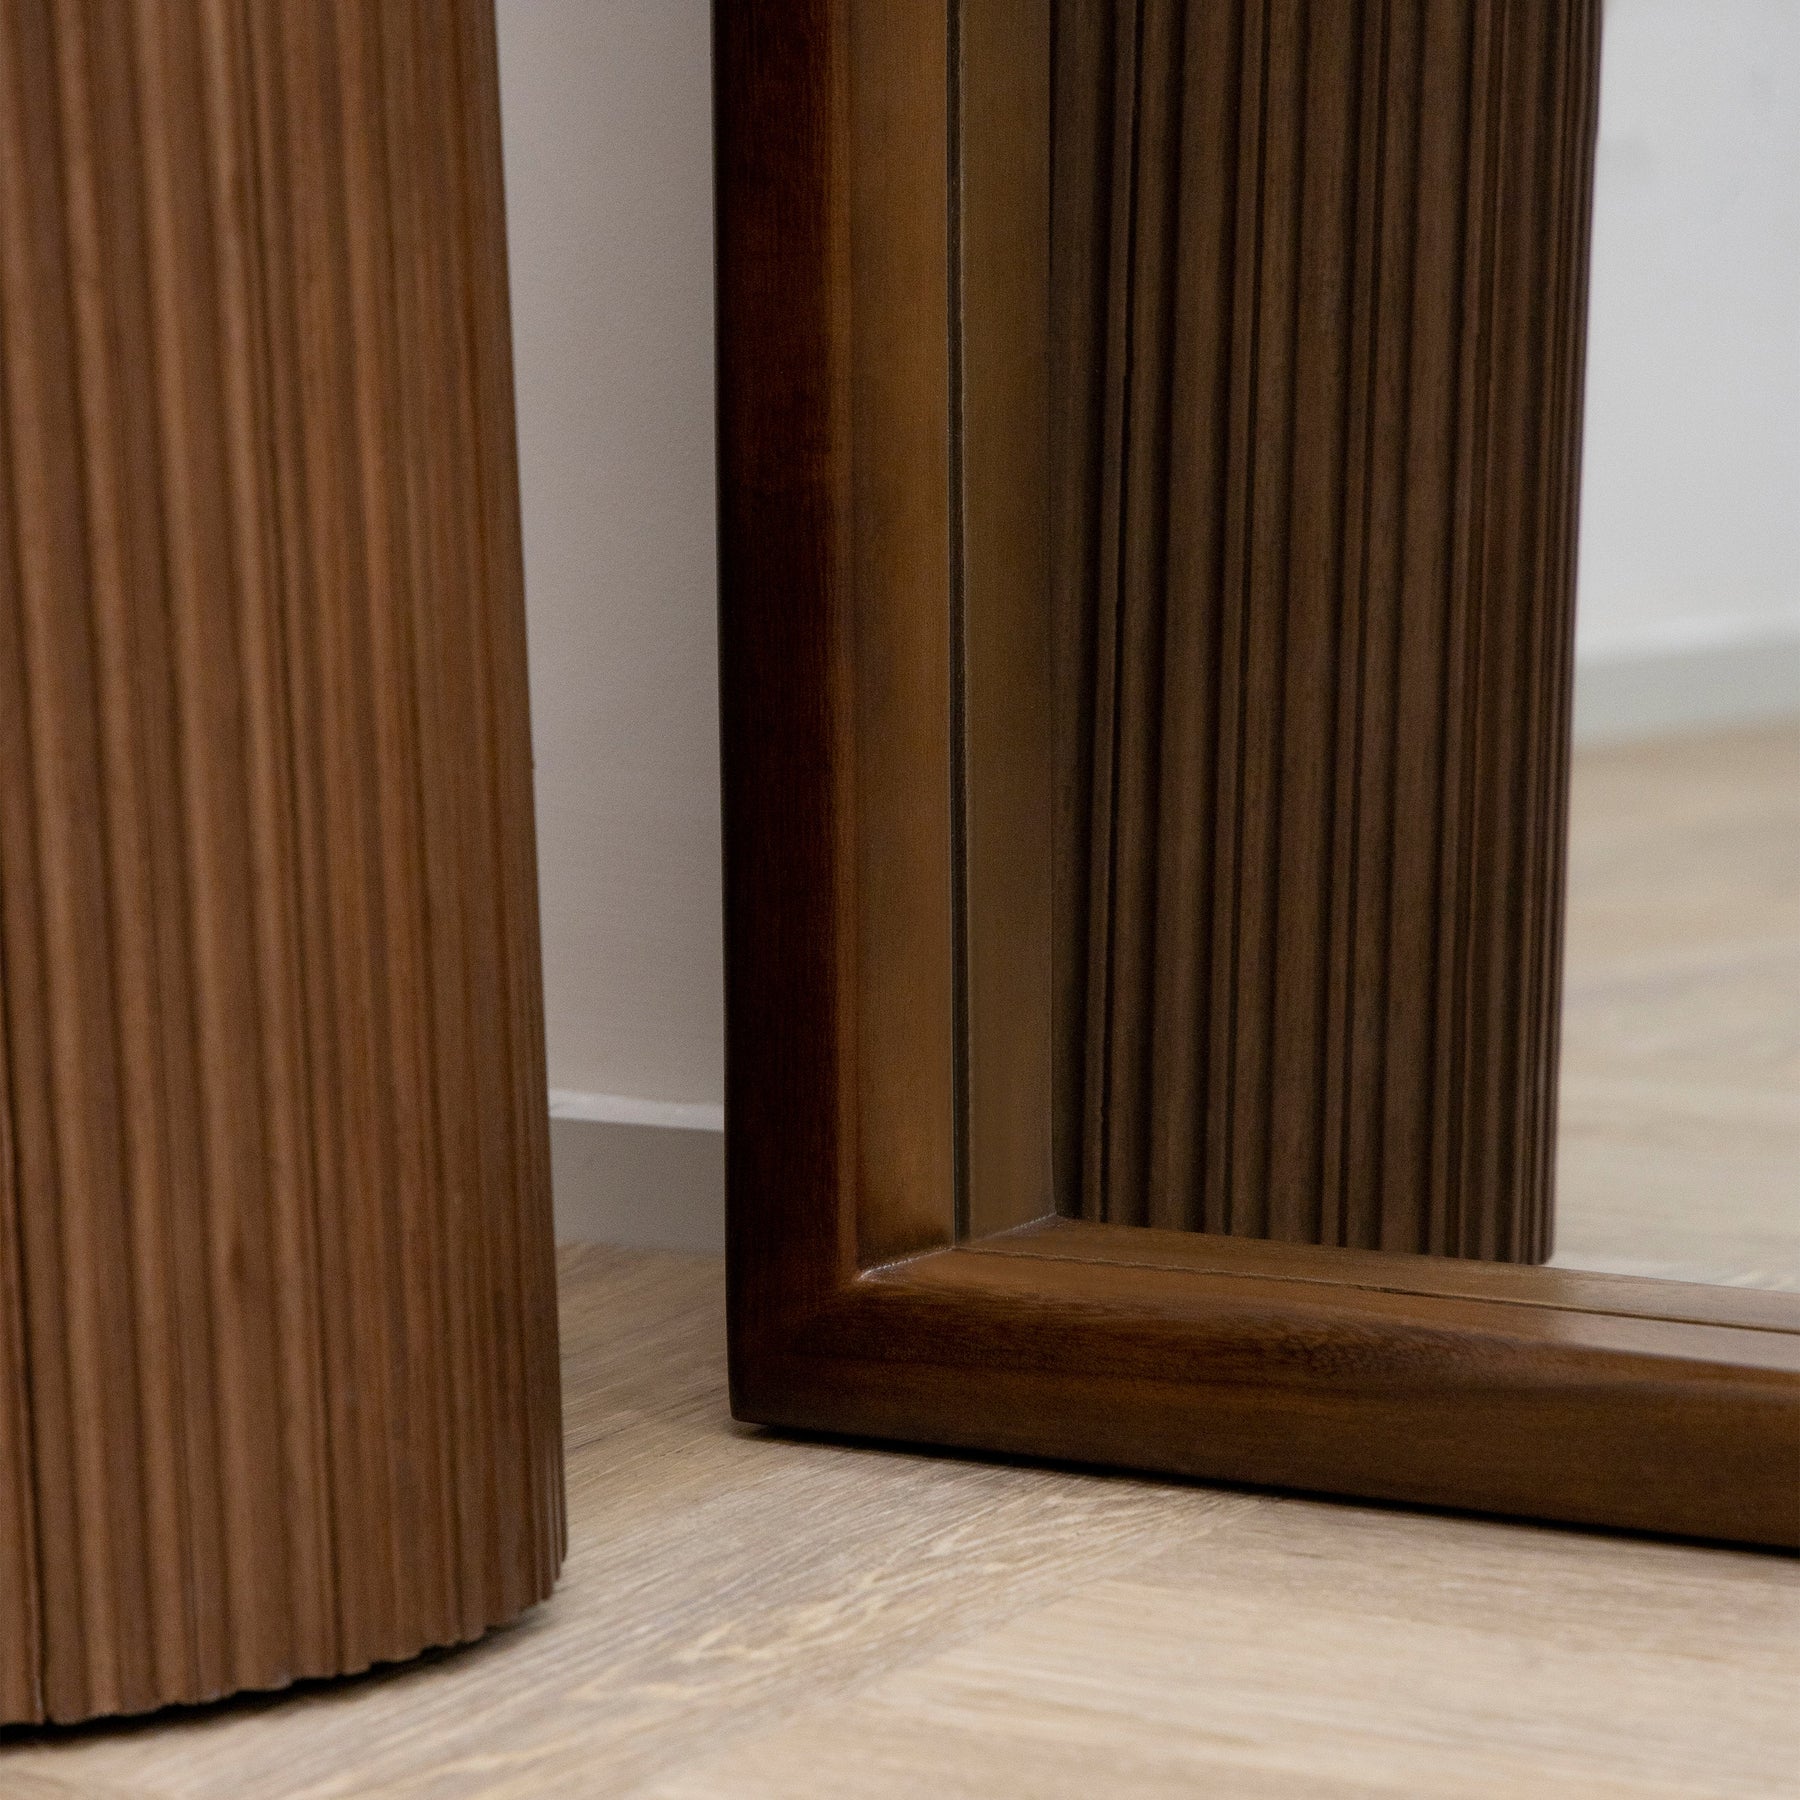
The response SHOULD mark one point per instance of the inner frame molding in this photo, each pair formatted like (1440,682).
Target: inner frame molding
(853,1306)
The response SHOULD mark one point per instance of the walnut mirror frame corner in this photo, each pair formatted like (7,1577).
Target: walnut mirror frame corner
(884,1281)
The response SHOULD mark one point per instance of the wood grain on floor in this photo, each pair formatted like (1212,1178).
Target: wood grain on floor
(748,1615)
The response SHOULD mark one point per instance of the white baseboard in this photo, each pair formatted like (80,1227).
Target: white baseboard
(649,1174)
(1685,681)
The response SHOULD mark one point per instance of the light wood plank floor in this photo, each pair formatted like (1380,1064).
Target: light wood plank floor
(1679,1144)
(748,1616)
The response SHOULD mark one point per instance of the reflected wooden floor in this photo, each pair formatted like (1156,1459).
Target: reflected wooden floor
(749,1616)
(1679,1147)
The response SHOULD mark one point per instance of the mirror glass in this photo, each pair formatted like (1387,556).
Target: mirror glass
(1679,1126)
(1334,421)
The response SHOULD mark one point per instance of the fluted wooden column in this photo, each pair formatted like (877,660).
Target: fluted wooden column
(1319,277)
(278,1389)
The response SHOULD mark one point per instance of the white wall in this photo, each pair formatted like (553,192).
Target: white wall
(1690,541)
(606,107)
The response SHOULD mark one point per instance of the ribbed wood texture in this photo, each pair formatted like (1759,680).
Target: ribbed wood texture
(278,1385)
(1319,276)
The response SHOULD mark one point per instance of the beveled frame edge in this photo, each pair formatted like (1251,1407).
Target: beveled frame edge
(1495,1388)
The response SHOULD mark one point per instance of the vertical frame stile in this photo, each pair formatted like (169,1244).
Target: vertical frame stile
(891,397)
(792,947)
(1000,637)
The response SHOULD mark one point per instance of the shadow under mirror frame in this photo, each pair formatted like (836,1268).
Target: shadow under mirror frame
(857,1304)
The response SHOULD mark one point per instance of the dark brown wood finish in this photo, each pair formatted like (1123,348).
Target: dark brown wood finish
(278,1366)
(1498,1387)
(1320,295)
(1002,250)
(899,467)
(21,1623)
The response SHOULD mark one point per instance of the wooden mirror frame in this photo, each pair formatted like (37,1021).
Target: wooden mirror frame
(860,1302)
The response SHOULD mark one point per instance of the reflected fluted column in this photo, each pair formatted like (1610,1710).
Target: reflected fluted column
(1319,272)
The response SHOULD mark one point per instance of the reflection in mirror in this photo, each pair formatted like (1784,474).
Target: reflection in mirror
(1271,371)
(1679,1132)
